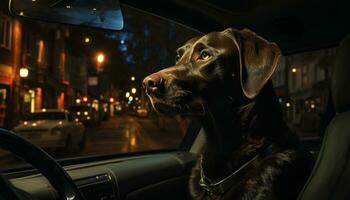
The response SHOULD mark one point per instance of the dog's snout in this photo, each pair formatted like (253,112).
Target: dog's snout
(153,84)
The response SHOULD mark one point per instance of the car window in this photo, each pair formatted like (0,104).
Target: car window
(302,83)
(93,74)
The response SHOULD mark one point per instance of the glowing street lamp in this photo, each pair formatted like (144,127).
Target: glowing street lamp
(133,78)
(133,90)
(23,72)
(111,100)
(131,98)
(294,70)
(87,40)
(100,58)
(127,94)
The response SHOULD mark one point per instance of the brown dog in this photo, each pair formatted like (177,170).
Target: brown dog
(223,79)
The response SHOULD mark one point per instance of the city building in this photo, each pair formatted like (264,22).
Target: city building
(38,68)
(302,84)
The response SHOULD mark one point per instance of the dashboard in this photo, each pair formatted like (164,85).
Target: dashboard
(153,176)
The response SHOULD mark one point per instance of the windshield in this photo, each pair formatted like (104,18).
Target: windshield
(46,116)
(96,75)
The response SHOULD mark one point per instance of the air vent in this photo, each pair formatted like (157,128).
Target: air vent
(97,187)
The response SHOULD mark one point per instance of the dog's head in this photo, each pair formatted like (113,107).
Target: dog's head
(232,63)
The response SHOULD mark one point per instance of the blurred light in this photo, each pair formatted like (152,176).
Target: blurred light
(41,48)
(133,141)
(100,58)
(294,69)
(111,99)
(85,99)
(25,123)
(68,6)
(133,90)
(33,0)
(313,106)
(34,124)
(122,41)
(94,9)
(136,98)
(44,110)
(133,78)
(86,113)
(87,40)
(130,98)
(78,101)
(88,117)
(21,13)
(287,104)
(60,122)
(23,72)
(78,113)
(127,94)
(76,119)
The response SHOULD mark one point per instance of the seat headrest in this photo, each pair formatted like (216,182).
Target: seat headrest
(341,77)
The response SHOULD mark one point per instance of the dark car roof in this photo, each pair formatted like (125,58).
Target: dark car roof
(296,25)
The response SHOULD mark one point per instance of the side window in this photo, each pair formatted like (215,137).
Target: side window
(97,76)
(302,84)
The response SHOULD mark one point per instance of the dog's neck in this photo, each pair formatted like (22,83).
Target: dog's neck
(235,134)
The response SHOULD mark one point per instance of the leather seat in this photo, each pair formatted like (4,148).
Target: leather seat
(330,178)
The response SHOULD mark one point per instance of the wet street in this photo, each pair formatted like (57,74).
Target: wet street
(130,134)
(120,135)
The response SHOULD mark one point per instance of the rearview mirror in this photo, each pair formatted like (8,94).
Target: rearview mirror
(105,14)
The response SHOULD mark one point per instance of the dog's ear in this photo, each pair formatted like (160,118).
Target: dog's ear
(258,59)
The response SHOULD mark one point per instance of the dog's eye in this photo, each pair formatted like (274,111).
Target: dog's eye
(204,55)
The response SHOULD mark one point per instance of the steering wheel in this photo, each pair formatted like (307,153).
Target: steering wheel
(39,159)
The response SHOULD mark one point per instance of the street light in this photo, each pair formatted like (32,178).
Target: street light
(133,90)
(127,94)
(111,100)
(100,58)
(23,72)
(87,40)
(294,69)
(133,78)
(131,98)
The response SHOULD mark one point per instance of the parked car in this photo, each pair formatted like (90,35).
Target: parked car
(85,114)
(52,129)
(142,112)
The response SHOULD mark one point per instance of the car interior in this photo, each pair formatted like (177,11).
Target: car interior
(297,26)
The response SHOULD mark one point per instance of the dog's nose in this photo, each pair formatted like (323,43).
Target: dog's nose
(153,85)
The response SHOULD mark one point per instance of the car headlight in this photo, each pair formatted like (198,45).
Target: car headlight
(56,131)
